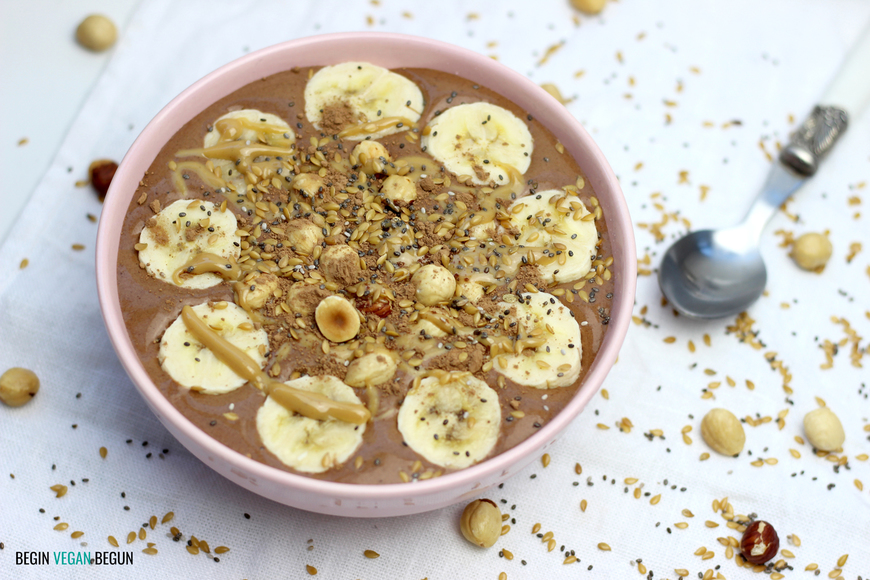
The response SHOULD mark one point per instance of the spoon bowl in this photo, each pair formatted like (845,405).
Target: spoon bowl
(713,273)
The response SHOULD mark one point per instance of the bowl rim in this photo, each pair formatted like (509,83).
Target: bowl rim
(617,216)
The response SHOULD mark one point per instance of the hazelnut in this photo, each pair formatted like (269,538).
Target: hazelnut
(399,188)
(589,6)
(723,432)
(434,284)
(340,263)
(263,287)
(481,523)
(824,429)
(374,368)
(372,156)
(97,33)
(101,172)
(812,251)
(18,386)
(309,184)
(759,543)
(303,235)
(337,319)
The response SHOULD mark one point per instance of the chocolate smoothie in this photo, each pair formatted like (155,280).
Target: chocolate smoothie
(320,215)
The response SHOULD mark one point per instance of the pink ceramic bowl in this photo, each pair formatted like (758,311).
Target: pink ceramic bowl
(387,50)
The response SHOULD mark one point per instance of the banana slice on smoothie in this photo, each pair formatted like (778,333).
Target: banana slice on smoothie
(358,100)
(250,125)
(192,365)
(305,444)
(237,135)
(558,224)
(480,140)
(452,421)
(191,244)
(548,351)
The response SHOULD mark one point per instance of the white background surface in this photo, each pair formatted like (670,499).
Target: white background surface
(758,63)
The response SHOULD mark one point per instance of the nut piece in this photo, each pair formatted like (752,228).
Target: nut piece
(303,235)
(812,251)
(372,156)
(824,429)
(371,369)
(481,523)
(18,386)
(434,284)
(97,33)
(399,188)
(101,173)
(723,432)
(309,184)
(471,290)
(759,543)
(589,6)
(263,287)
(381,307)
(340,263)
(337,319)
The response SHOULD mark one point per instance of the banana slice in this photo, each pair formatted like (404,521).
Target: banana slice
(480,140)
(558,224)
(236,134)
(452,421)
(550,335)
(192,365)
(307,444)
(250,125)
(359,100)
(191,234)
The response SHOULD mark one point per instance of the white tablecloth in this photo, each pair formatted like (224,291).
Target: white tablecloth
(686,99)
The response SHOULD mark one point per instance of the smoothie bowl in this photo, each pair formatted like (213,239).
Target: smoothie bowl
(365,274)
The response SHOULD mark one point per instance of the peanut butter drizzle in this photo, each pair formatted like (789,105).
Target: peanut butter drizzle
(207,176)
(232,128)
(372,127)
(207,262)
(306,403)
(233,150)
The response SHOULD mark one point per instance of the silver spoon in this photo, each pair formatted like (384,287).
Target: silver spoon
(718,273)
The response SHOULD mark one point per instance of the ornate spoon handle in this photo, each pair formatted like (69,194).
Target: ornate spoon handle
(847,95)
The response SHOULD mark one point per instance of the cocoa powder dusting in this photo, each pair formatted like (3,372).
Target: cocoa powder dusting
(336,117)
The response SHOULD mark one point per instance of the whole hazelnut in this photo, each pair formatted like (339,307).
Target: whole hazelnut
(481,523)
(97,33)
(18,386)
(101,172)
(812,251)
(589,6)
(399,188)
(372,156)
(723,432)
(824,429)
(759,543)
(434,284)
